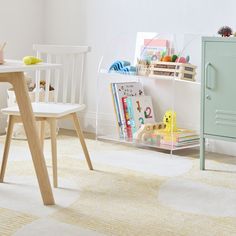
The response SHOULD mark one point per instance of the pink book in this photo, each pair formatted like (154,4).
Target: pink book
(127,118)
(156,43)
(152,48)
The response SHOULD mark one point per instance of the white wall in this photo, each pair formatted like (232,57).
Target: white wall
(110,28)
(21,26)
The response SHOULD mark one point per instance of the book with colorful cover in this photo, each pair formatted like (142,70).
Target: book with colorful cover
(140,111)
(115,104)
(130,111)
(127,118)
(121,90)
(179,138)
(152,48)
(181,144)
(150,45)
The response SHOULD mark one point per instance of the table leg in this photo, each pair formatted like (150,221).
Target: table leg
(23,100)
(7,146)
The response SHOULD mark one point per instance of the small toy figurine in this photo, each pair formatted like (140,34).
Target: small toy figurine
(225,31)
(169,120)
(42,86)
(30,60)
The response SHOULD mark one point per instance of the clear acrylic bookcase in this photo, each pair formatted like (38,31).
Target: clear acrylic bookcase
(167,93)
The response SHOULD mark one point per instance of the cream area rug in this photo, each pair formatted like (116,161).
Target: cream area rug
(131,192)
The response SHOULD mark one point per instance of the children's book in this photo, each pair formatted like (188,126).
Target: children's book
(127,118)
(150,46)
(140,110)
(179,138)
(121,90)
(179,135)
(180,144)
(115,104)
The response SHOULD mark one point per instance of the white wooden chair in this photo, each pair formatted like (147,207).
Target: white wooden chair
(69,87)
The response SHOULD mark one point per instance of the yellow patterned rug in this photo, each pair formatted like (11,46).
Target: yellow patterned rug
(130,192)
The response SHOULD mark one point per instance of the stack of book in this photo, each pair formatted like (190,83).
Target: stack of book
(132,107)
(180,138)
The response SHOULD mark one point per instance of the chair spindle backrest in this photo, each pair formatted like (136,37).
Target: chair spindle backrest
(68,81)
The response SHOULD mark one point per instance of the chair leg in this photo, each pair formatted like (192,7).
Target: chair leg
(7,146)
(42,130)
(53,131)
(81,138)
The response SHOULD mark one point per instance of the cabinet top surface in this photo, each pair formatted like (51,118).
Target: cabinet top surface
(219,39)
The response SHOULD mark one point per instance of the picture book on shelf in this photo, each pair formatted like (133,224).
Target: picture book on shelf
(127,118)
(181,137)
(152,48)
(150,45)
(140,111)
(115,105)
(120,90)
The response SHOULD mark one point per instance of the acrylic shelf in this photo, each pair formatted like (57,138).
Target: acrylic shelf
(167,91)
(135,143)
(110,77)
(137,77)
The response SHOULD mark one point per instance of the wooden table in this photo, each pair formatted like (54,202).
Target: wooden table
(12,72)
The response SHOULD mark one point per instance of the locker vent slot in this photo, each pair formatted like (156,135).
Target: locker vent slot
(223,117)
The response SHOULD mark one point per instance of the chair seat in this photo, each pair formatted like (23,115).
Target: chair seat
(42,109)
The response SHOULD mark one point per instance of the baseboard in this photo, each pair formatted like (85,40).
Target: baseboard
(88,122)
(222,147)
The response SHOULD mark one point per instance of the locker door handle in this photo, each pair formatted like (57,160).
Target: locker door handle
(210,80)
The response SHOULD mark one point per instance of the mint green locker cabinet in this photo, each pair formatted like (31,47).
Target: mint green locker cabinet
(218,92)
